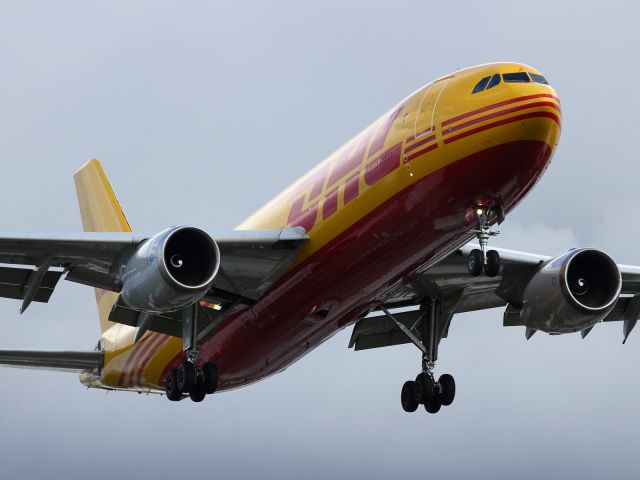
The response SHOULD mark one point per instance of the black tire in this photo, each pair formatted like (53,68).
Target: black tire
(210,371)
(475,262)
(492,268)
(424,388)
(433,405)
(448,393)
(171,387)
(186,377)
(408,397)
(198,393)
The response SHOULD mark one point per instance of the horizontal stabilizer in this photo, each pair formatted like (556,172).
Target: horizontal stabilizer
(70,361)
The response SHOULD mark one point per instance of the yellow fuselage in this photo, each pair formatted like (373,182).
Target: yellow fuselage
(410,173)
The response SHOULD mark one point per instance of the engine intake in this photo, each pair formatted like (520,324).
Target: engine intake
(171,270)
(571,292)
(592,279)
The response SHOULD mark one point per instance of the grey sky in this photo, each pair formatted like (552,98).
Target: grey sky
(202,111)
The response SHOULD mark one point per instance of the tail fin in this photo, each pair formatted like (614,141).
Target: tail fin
(100,212)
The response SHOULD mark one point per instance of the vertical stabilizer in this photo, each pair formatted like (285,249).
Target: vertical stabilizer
(100,212)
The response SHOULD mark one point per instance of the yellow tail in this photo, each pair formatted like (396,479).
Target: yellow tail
(100,212)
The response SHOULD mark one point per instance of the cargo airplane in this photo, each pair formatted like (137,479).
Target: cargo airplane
(375,237)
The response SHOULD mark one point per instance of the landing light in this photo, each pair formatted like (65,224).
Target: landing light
(479,212)
(212,306)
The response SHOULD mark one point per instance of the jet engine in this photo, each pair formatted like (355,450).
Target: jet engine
(571,292)
(171,270)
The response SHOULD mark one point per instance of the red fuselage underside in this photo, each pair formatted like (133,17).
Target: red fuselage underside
(352,273)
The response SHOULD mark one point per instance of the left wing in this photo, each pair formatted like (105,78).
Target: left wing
(459,292)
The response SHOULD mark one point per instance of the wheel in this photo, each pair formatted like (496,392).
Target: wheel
(171,387)
(198,393)
(186,377)
(492,267)
(408,397)
(475,262)
(424,388)
(210,371)
(433,405)
(448,385)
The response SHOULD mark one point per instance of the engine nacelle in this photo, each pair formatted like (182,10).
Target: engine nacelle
(571,292)
(171,270)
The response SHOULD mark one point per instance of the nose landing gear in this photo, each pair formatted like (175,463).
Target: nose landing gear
(480,260)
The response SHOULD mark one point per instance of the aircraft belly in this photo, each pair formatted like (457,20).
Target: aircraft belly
(349,275)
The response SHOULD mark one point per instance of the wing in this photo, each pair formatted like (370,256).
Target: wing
(460,293)
(251,261)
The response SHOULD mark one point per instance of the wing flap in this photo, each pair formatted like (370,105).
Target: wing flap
(15,282)
(381,331)
(168,324)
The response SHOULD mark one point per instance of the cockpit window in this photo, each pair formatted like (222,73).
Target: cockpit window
(495,80)
(480,85)
(517,77)
(538,78)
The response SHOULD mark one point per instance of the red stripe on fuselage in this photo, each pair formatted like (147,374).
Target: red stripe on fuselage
(499,123)
(498,105)
(137,380)
(415,155)
(153,338)
(132,355)
(424,141)
(416,136)
(497,114)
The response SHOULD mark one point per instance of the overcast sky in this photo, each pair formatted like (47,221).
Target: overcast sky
(201,112)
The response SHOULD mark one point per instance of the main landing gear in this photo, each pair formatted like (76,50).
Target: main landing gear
(480,260)
(426,391)
(433,322)
(187,378)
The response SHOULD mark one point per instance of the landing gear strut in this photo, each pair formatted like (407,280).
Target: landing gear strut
(480,260)
(425,389)
(187,378)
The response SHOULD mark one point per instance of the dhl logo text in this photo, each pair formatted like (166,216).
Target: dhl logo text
(344,174)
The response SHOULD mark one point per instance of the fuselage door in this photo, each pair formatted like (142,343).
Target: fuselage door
(426,114)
